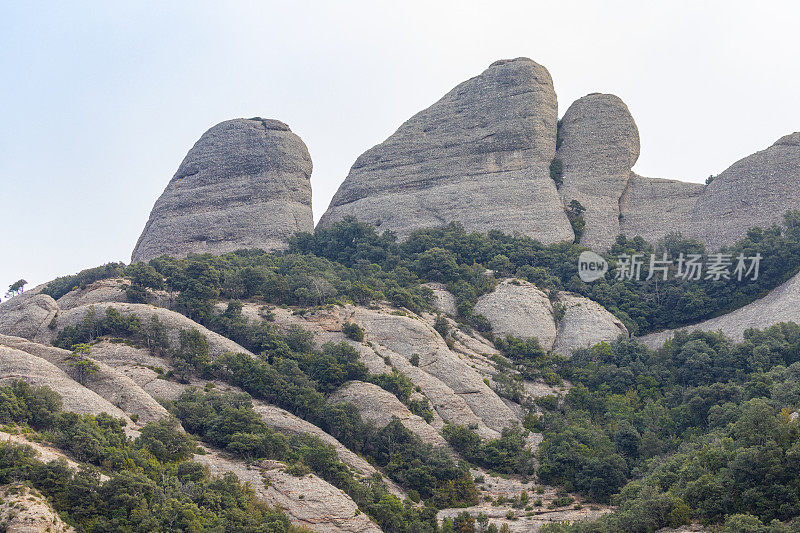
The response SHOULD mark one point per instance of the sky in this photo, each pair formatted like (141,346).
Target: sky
(102,100)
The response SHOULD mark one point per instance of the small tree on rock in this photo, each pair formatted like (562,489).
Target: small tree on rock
(81,364)
(16,288)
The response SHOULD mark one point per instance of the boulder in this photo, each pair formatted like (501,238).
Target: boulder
(599,145)
(479,156)
(244,184)
(380,407)
(585,323)
(27,314)
(520,309)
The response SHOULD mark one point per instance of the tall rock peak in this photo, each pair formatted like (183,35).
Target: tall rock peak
(479,156)
(599,145)
(244,184)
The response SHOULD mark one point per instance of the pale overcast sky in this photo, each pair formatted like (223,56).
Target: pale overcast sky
(101,100)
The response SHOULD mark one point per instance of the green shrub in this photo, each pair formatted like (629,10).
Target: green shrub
(353,331)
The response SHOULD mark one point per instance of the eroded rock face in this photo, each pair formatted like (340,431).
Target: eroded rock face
(244,184)
(107,382)
(25,315)
(755,191)
(652,207)
(456,390)
(16,364)
(520,309)
(380,407)
(479,156)
(782,304)
(174,323)
(444,300)
(308,500)
(599,145)
(25,510)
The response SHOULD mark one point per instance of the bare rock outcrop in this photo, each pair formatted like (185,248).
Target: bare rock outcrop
(25,510)
(244,184)
(26,314)
(754,191)
(19,365)
(106,381)
(464,395)
(174,323)
(652,207)
(520,309)
(454,387)
(380,407)
(479,156)
(103,291)
(444,300)
(599,145)
(585,323)
(308,500)
(782,304)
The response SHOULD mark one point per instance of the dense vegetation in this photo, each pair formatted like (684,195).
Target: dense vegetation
(699,429)
(151,484)
(228,420)
(290,372)
(349,261)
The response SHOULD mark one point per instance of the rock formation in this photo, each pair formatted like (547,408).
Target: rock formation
(479,156)
(652,207)
(380,407)
(27,314)
(782,304)
(244,184)
(25,510)
(17,364)
(755,191)
(599,145)
(520,309)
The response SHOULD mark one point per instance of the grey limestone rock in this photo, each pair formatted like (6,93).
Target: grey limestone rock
(26,510)
(379,407)
(479,156)
(26,314)
(754,191)
(520,309)
(599,145)
(244,184)
(782,304)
